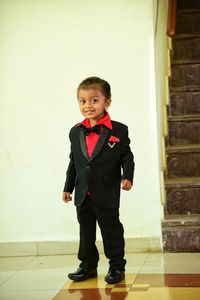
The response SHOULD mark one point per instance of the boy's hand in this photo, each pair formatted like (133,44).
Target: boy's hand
(66,197)
(126,184)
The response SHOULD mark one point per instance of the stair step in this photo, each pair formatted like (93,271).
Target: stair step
(182,200)
(188,10)
(183,164)
(181,227)
(182,89)
(188,22)
(185,75)
(183,131)
(184,103)
(191,148)
(182,182)
(181,220)
(186,51)
(184,118)
(181,233)
(188,4)
(185,36)
(185,61)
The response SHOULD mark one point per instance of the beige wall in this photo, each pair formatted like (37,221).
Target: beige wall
(161,72)
(47,48)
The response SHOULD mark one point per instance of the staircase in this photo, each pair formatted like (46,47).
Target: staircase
(181,226)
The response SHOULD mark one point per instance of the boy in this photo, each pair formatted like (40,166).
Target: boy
(99,150)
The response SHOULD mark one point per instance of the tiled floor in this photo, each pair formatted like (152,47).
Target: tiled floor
(148,277)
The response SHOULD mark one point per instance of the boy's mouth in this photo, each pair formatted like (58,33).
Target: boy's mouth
(89,111)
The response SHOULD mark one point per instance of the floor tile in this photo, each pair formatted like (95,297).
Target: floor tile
(135,262)
(29,295)
(157,280)
(90,283)
(158,263)
(43,272)
(66,262)
(98,282)
(14,263)
(182,280)
(169,280)
(120,294)
(165,294)
(154,263)
(28,280)
(151,276)
(84,294)
(11,265)
(140,287)
(181,263)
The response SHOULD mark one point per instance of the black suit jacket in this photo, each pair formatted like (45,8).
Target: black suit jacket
(101,174)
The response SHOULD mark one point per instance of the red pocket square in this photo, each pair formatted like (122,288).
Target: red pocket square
(113,139)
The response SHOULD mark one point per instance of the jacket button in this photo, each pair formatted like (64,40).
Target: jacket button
(87,167)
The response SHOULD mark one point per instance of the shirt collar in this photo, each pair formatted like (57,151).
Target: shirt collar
(103,121)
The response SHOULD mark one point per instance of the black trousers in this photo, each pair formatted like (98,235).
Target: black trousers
(88,214)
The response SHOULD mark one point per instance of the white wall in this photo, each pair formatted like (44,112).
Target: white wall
(47,48)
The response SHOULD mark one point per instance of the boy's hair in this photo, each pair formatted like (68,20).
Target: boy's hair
(96,82)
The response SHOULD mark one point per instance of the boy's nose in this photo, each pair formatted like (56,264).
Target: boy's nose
(88,104)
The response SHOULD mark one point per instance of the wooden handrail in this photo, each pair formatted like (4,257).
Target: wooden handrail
(171,20)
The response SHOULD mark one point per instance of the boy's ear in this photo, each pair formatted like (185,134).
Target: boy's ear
(108,102)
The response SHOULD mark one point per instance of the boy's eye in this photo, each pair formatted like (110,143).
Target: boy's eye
(81,101)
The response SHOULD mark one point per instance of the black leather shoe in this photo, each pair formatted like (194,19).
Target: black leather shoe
(82,274)
(114,276)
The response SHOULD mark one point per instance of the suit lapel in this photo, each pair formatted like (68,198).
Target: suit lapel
(83,145)
(100,143)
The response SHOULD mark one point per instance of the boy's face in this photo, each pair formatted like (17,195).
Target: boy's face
(92,104)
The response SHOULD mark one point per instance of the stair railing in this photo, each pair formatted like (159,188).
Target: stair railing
(171,20)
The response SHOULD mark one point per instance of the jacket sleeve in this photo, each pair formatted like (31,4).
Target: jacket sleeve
(127,157)
(70,174)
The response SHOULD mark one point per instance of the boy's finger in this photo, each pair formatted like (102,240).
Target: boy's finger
(67,199)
